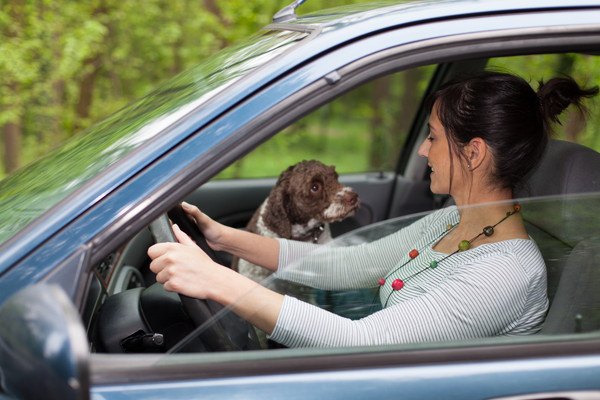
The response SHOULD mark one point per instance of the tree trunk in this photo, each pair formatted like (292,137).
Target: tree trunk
(575,124)
(378,135)
(574,120)
(87,83)
(12,130)
(12,146)
(86,92)
(58,96)
(409,103)
(213,8)
(177,65)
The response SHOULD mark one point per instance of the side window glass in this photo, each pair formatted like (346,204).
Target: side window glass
(584,68)
(361,131)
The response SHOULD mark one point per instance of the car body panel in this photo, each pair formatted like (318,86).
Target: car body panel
(461,381)
(202,138)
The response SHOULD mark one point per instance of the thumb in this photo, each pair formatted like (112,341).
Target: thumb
(182,237)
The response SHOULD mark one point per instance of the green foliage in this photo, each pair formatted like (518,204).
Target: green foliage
(29,192)
(363,130)
(342,143)
(65,65)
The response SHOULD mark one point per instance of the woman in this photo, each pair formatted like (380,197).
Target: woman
(460,272)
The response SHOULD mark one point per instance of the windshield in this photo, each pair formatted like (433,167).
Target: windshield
(33,190)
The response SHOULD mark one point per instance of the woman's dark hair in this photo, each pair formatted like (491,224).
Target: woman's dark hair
(508,114)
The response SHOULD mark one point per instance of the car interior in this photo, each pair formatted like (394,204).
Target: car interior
(126,311)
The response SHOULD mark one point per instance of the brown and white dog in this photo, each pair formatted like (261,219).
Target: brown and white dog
(306,198)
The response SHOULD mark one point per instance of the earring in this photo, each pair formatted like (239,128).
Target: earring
(469,166)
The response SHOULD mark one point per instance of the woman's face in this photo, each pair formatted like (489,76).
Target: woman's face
(436,149)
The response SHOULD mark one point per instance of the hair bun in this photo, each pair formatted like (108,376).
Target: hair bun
(559,93)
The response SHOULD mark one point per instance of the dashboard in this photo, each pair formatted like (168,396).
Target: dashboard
(121,271)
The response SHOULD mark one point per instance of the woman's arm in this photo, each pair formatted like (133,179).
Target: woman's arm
(350,267)
(318,266)
(483,299)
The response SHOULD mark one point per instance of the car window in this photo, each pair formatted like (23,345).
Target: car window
(365,129)
(361,131)
(565,229)
(584,68)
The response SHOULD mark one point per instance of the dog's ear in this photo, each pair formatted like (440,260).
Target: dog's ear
(277,217)
(284,177)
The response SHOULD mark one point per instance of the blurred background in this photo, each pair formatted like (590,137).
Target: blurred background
(65,65)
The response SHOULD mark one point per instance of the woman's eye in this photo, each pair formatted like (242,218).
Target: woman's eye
(315,187)
(430,138)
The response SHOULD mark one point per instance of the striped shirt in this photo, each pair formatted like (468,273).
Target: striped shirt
(493,289)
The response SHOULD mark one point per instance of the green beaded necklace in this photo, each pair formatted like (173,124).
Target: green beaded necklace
(463,245)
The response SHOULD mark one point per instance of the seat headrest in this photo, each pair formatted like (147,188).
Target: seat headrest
(565,168)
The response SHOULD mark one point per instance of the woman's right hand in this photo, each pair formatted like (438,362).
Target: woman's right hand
(211,229)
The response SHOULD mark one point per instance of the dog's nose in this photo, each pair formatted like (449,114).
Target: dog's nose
(350,198)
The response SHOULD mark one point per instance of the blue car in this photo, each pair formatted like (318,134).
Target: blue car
(81,315)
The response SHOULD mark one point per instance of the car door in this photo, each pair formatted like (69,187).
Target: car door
(42,328)
(529,368)
(553,367)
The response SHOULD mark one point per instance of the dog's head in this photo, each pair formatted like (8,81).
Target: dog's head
(309,192)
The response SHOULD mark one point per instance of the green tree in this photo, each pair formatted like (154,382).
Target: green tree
(65,65)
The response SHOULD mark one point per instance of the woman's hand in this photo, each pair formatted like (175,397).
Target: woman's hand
(211,229)
(260,250)
(184,268)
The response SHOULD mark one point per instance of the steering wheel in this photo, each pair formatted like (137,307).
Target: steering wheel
(228,332)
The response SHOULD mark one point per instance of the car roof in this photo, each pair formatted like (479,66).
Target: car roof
(385,14)
(319,32)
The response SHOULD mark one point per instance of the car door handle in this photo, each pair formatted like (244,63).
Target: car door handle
(575,395)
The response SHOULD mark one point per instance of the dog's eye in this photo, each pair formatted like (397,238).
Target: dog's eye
(316,186)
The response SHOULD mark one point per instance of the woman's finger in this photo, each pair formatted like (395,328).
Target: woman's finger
(182,237)
(158,249)
(192,210)
(161,275)
(156,265)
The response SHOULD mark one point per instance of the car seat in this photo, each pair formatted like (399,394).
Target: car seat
(576,304)
(565,227)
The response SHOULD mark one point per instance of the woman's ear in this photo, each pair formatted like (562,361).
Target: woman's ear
(476,152)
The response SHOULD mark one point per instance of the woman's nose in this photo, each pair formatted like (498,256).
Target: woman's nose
(424,148)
